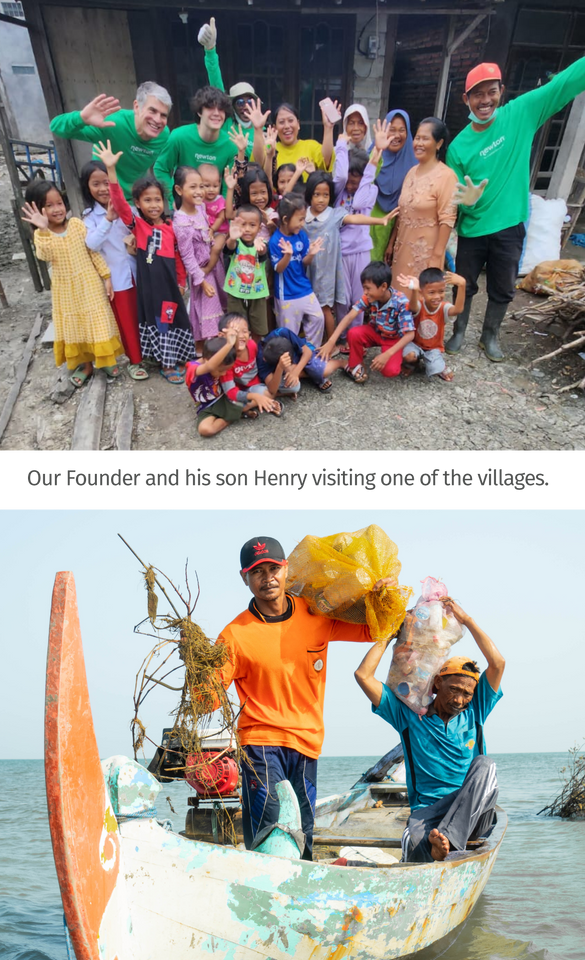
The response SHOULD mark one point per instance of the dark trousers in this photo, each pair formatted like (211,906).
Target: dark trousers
(261,771)
(465,814)
(500,254)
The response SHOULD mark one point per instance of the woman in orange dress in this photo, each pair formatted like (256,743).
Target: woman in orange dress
(427,213)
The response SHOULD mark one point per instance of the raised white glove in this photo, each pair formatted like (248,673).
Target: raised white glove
(207,36)
(468,193)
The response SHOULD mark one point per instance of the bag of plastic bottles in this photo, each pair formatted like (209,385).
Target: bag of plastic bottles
(423,645)
(336,575)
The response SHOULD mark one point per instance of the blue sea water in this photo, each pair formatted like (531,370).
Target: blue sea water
(533,907)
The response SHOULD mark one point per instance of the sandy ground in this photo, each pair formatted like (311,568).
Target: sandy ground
(486,407)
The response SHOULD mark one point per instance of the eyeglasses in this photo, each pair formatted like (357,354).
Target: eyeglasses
(242,101)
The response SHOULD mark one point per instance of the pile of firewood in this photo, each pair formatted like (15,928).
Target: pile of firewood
(566,309)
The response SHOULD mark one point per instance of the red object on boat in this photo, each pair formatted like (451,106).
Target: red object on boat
(217,775)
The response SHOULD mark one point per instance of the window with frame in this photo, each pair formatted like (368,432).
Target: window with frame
(13,10)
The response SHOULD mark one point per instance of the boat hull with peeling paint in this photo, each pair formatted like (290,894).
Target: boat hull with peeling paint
(135,891)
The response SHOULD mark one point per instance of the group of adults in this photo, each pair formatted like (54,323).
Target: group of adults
(482,187)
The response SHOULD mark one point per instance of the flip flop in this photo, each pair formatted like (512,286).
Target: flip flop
(137,372)
(324,386)
(358,374)
(172,376)
(79,376)
(279,412)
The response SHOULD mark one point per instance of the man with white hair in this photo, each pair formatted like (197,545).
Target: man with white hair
(141,133)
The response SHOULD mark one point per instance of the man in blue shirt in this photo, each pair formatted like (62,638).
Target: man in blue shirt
(452,786)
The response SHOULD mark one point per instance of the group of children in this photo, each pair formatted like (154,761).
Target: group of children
(292,254)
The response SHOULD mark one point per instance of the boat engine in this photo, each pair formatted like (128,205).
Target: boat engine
(216,775)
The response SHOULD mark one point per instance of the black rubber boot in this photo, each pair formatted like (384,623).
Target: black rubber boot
(489,342)
(459,327)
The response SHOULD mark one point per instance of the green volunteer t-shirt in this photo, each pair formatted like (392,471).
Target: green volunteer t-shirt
(246,275)
(501,154)
(138,155)
(185,147)
(216,80)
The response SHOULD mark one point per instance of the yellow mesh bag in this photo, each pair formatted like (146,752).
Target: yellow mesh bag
(335,575)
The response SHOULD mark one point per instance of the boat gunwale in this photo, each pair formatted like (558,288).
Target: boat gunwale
(488,848)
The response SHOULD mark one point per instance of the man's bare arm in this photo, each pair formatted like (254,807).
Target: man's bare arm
(496,662)
(364,674)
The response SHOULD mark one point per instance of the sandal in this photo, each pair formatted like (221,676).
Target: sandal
(344,349)
(137,372)
(280,411)
(250,415)
(172,376)
(325,386)
(79,376)
(358,374)
(112,373)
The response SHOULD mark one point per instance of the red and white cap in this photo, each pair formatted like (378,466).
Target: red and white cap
(483,71)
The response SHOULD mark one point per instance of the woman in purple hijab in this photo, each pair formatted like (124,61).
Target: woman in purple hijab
(397,160)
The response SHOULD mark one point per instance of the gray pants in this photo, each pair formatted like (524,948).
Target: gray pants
(465,814)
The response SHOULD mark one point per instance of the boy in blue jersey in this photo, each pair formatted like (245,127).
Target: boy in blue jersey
(452,786)
(284,357)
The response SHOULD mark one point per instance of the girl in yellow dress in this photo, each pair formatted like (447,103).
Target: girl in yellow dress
(86,334)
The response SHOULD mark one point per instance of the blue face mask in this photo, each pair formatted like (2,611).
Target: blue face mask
(471,116)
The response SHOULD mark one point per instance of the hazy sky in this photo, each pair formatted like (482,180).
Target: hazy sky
(520,575)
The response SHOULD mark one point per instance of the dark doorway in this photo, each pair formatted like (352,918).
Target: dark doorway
(285,56)
(543,43)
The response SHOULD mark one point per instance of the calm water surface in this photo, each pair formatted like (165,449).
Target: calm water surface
(533,907)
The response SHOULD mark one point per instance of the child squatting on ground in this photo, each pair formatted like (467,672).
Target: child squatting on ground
(215,411)
(391,326)
(284,357)
(431,311)
(242,378)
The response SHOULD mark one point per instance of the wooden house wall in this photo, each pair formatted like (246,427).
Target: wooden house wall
(92,54)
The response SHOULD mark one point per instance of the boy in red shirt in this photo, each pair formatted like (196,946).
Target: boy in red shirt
(242,378)
(431,311)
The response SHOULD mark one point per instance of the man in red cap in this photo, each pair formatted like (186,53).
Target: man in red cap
(493,151)
(278,662)
(452,786)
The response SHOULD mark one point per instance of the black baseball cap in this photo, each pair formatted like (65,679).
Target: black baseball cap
(261,550)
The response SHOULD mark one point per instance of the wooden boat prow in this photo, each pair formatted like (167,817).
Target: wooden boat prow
(132,890)
(84,830)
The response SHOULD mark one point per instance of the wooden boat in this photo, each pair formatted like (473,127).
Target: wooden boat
(132,890)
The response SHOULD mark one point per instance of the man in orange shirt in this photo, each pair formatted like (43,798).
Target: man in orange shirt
(278,662)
